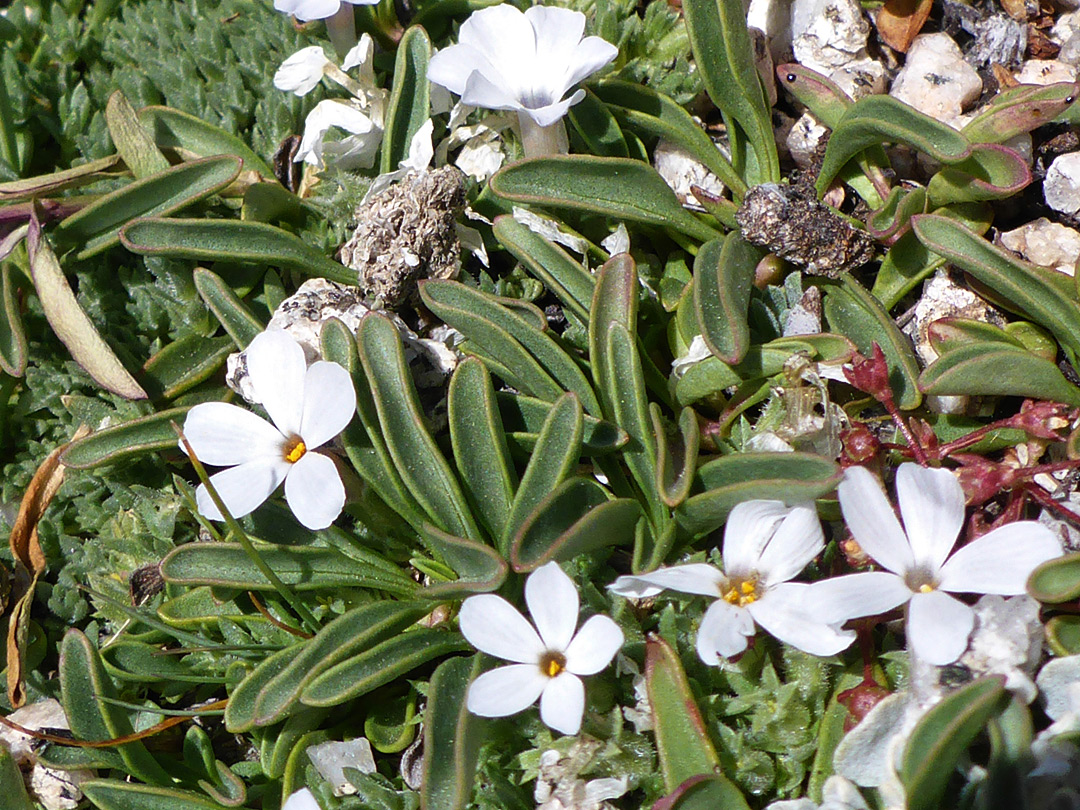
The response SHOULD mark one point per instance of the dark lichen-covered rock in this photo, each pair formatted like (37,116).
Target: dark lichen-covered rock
(405,233)
(790,222)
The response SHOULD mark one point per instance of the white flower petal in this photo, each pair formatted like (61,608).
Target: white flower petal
(506,690)
(277,368)
(506,41)
(301,800)
(698,578)
(421,150)
(302,71)
(223,435)
(562,704)
(1000,561)
(870,517)
(749,528)
(723,632)
(243,488)
(591,54)
(938,627)
(553,605)
(329,403)
(480,91)
(549,114)
(594,646)
(452,66)
(838,599)
(314,491)
(493,625)
(332,113)
(557,32)
(361,54)
(307,10)
(932,507)
(783,613)
(795,543)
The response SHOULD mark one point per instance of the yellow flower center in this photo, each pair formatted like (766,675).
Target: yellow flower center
(741,592)
(925,588)
(921,579)
(552,663)
(294,449)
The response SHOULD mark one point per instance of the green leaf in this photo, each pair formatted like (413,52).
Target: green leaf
(13,350)
(1024,288)
(674,474)
(409,106)
(730,480)
(555,456)
(417,457)
(45,185)
(304,568)
(704,793)
(185,363)
(479,567)
(1016,110)
(479,440)
(230,240)
(349,634)
(82,683)
(173,129)
(853,312)
(381,664)
(452,737)
(655,114)
(621,188)
(577,517)
(563,275)
(723,279)
(991,172)
(508,337)
(682,741)
(597,126)
(1063,635)
(524,417)
(71,324)
(1056,581)
(133,438)
(893,219)
(97,226)
(240,710)
(234,315)
(942,736)
(725,58)
(877,119)
(997,369)
(12,786)
(109,794)
(712,375)
(132,141)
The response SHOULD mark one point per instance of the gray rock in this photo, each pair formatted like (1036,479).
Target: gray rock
(1061,187)
(935,79)
(828,34)
(1045,243)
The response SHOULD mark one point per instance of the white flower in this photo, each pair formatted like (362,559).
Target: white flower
(765,545)
(548,659)
(307,10)
(309,406)
(357,150)
(302,799)
(509,60)
(302,71)
(919,568)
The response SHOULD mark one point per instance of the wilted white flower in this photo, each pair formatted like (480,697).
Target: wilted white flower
(526,62)
(302,71)
(549,659)
(765,544)
(919,568)
(309,406)
(358,149)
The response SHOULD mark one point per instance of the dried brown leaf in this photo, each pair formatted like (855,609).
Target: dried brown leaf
(900,21)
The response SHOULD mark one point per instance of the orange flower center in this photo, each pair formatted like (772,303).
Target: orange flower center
(552,663)
(294,449)
(741,592)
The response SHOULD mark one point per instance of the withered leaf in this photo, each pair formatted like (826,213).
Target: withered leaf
(900,21)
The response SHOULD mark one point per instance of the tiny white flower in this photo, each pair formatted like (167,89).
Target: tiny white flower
(307,10)
(549,659)
(765,544)
(309,406)
(919,568)
(509,60)
(302,71)
(302,799)
(357,150)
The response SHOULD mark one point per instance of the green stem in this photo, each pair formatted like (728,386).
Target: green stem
(309,620)
(9,148)
(341,28)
